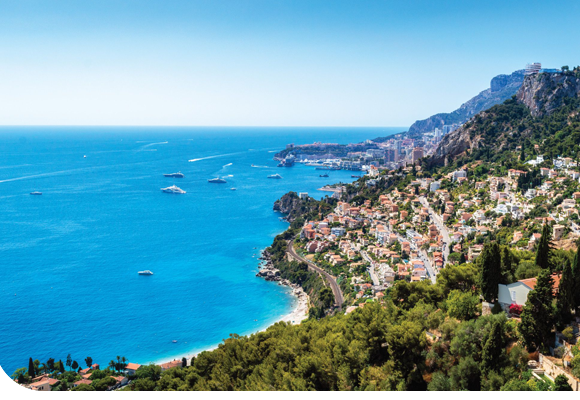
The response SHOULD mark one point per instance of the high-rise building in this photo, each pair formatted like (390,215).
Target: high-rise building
(417,154)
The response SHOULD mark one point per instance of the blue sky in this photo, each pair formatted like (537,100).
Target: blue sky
(265,63)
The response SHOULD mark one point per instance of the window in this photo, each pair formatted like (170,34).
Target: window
(513,293)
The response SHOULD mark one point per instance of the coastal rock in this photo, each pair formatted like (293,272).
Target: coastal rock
(293,206)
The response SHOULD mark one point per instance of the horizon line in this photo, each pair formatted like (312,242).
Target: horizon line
(198,126)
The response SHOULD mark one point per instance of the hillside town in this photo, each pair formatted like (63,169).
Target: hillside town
(411,233)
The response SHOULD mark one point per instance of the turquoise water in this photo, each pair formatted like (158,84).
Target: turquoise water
(69,258)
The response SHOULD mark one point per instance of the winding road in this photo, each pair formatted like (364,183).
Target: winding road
(338,297)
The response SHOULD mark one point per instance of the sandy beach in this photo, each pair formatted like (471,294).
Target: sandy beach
(298,314)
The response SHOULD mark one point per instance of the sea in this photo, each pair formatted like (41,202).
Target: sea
(69,259)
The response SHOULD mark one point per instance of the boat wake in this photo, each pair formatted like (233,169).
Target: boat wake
(227,165)
(259,166)
(216,156)
(151,144)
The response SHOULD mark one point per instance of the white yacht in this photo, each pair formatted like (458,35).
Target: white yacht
(146,272)
(275,176)
(173,189)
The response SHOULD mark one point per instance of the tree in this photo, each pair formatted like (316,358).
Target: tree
(466,375)
(31,369)
(514,389)
(144,385)
(565,297)
(462,259)
(60,366)
(75,365)
(82,391)
(439,382)
(490,275)
(63,386)
(462,305)
(544,248)
(68,361)
(576,275)
(326,297)
(184,362)
(19,375)
(561,384)
(537,315)
(493,349)
(89,361)
(507,266)
(50,365)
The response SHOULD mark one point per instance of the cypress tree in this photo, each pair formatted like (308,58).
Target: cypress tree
(506,266)
(492,349)
(537,315)
(565,297)
(544,248)
(61,366)
(31,369)
(184,362)
(490,275)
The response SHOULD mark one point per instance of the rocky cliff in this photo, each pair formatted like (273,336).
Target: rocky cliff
(291,205)
(539,96)
(502,87)
(543,93)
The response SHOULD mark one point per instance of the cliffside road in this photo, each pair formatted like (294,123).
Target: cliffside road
(338,297)
(442,228)
(374,276)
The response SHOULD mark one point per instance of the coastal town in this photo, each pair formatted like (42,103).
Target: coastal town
(418,228)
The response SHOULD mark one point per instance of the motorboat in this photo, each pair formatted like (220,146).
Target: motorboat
(146,272)
(173,189)
(174,175)
(217,180)
(275,176)
(36,193)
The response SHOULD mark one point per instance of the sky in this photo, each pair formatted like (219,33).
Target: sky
(266,62)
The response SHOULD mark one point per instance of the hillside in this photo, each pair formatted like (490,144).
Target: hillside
(544,112)
(502,87)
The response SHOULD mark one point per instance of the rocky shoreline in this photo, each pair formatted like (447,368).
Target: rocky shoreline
(270,273)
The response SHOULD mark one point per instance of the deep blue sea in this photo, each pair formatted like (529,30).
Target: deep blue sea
(69,258)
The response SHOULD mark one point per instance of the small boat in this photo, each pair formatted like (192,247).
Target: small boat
(146,272)
(174,175)
(355,176)
(233,189)
(84,156)
(275,176)
(174,341)
(36,193)
(173,189)
(324,176)
(217,180)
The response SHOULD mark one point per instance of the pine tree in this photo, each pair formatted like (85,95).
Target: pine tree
(565,297)
(493,349)
(544,248)
(537,315)
(490,271)
(75,365)
(89,361)
(31,369)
